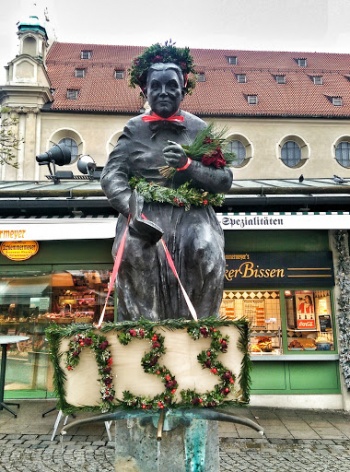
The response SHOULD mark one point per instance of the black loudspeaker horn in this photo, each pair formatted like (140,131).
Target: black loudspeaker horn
(58,154)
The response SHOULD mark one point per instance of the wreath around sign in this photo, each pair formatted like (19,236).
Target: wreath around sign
(84,336)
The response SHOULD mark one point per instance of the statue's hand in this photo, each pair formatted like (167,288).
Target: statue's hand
(174,155)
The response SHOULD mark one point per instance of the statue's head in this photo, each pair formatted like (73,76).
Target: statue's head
(159,55)
(164,88)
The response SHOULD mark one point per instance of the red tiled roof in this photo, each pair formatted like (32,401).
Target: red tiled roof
(220,94)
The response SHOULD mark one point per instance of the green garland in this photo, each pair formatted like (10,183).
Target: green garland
(208,360)
(150,365)
(183,196)
(100,346)
(83,336)
(158,53)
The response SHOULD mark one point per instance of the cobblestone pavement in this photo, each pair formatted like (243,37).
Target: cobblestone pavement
(295,440)
(31,453)
(284,455)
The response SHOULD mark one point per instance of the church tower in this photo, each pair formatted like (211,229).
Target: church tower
(27,69)
(26,91)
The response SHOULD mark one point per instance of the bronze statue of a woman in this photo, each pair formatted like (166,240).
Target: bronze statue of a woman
(176,208)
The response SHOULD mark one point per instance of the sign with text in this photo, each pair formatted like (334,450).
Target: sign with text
(279,269)
(284,220)
(19,250)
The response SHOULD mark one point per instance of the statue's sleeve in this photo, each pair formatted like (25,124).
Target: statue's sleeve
(209,178)
(116,173)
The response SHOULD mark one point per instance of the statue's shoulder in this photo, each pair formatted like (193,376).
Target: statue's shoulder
(193,123)
(132,126)
(193,120)
(135,121)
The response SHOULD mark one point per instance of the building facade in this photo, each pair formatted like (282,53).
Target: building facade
(285,218)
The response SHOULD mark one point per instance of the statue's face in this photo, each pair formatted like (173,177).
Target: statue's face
(164,92)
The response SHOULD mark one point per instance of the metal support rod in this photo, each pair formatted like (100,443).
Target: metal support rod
(206,414)
(160,425)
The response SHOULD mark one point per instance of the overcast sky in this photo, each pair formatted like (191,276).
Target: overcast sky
(284,25)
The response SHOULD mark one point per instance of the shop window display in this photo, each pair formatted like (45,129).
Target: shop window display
(283,322)
(30,302)
(309,320)
(262,309)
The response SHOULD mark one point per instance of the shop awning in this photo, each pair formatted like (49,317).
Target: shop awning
(65,228)
(48,229)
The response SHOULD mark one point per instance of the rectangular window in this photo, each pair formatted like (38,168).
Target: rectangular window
(307,313)
(317,79)
(80,73)
(309,320)
(241,78)
(263,314)
(232,60)
(119,74)
(85,54)
(252,99)
(201,77)
(337,101)
(31,302)
(72,94)
(280,79)
(302,62)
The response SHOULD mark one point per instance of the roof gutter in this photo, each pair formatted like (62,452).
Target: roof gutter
(232,203)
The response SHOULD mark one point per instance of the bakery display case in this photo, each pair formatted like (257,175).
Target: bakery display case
(78,296)
(283,321)
(263,310)
(30,302)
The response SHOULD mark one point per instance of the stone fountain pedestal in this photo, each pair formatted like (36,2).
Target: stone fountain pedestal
(185,448)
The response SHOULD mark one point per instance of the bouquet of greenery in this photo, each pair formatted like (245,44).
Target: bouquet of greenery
(208,148)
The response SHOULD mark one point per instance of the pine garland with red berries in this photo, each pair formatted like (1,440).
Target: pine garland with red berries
(100,346)
(209,360)
(150,365)
(183,196)
(82,337)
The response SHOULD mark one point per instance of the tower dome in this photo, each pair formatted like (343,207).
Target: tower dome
(32,24)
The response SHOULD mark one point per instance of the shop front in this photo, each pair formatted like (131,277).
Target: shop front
(57,270)
(283,281)
(60,273)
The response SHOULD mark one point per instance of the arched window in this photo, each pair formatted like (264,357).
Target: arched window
(241,148)
(342,153)
(291,153)
(29,46)
(72,146)
(237,148)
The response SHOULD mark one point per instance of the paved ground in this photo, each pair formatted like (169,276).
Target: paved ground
(295,440)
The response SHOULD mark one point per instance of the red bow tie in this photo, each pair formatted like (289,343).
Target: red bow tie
(154,117)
